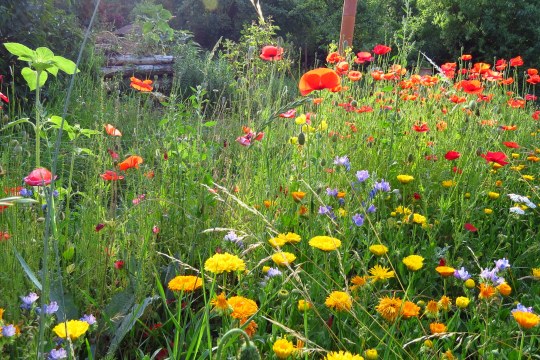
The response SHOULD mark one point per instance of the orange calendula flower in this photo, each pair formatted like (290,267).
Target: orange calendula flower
(242,307)
(437,328)
(526,319)
(410,310)
(504,289)
(389,308)
(132,161)
(141,85)
(298,195)
(111,130)
(445,271)
(486,291)
(221,305)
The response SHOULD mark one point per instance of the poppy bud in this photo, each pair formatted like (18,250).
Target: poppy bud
(301,138)
(249,351)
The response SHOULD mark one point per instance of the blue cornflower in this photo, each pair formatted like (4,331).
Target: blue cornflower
(26,193)
(358,219)
(382,186)
(57,354)
(90,319)
(371,209)
(462,274)
(235,239)
(362,175)
(273,272)
(343,161)
(502,264)
(28,301)
(8,330)
(331,192)
(491,275)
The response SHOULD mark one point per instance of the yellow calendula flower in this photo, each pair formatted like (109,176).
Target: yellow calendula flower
(527,177)
(470,284)
(389,308)
(414,262)
(242,308)
(283,348)
(445,271)
(432,309)
(185,283)
(292,237)
(437,328)
(488,211)
(304,305)
(378,250)
(419,219)
(410,310)
(358,282)
(403,210)
(526,319)
(220,263)
(283,258)
(72,329)
(379,273)
(339,301)
(445,303)
(278,241)
(536,273)
(293,140)
(342,212)
(448,183)
(325,243)
(221,305)
(371,354)
(504,289)
(462,302)
(515,156)
(342,355)
(405,179)
(493,195)
(2,313)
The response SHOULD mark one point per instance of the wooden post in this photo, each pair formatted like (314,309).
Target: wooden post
(347,23)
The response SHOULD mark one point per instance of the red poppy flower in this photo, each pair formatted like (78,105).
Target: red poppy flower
(511,144)
(501,64)
(99,227)
(141,85)
(4,98)
(471,86)
(354,75)
(517,61)
(533,79)
(342,67)
(289,114)
(271,53)
(516,103)
(470,227)
(466,57)
(4,236)
(377,75)
(480,67)
(39,177)
(536,115)
(364,108)
(420,128)
(457,99)
(531,97)
(449,69)
(496,157)
(318,79)
(111,176)
(119,264)
(508,127)
(362,57)
(452,155)
(381,49)
(457,170)
(132,161)
(113,154)
(111,130)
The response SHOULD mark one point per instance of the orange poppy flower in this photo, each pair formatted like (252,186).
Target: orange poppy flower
(481,67)
(132,161)
(458,99)
(508,81)
(500,64)
(354,75)
(141,85)
(342,67)
(534,79)
(420,128)
(377,74)
(111,130)
(318,79)
(466,57)
(111,176)
(334,58)
(516,103)
(317,101)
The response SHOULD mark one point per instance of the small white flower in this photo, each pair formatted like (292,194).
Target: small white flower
(517,210)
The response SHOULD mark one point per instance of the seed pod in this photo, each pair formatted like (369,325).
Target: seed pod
(249,351)
(301,138)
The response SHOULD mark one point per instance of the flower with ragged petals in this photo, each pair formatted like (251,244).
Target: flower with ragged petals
(283,348)
(72,329)
(220,263)
(325,243)
(339,301)
(185,283)
(413,262)
(380,273)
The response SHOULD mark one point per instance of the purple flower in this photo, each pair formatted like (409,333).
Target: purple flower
(232,237)
(273,272)
(362,175)
(57,354)
(26,193)
(90,319)
(520,307)
(51,308)
(358,219)
(331,192)
(326,210)
(502,264)
(382,186)
(343,161)
(8,330)
(491,275)
(462,274)
(28,301)
(371,209)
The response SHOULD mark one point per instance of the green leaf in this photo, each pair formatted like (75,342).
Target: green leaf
(44,55)
(89,132)
(65,65)
(17,122)
(210,123)
(27,270)
(24,53)
(31,78)
(388,88)
(69,253)
(53,70)
(84,151)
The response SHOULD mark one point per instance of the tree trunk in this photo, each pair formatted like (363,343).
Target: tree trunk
(347,24)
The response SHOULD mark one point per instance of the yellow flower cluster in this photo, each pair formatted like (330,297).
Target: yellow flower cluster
(325,243)
(282,239)
(220,263)
(185,283)
(339,301)
(414,262)
(283,258)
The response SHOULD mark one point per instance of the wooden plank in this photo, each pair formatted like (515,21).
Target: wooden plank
(128,70)
(140,60)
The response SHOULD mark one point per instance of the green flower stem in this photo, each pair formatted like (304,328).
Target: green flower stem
(223,344)
(38,120)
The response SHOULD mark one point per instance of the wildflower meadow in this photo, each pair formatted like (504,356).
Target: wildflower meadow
(361,208)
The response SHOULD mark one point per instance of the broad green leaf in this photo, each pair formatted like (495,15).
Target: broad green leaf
(31,78)
(44,55)
(210,123)
(11,198)
(24,53)
(53,70)
(147,27)
(26,201)
(27,270)
(388,88)
(65,65)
